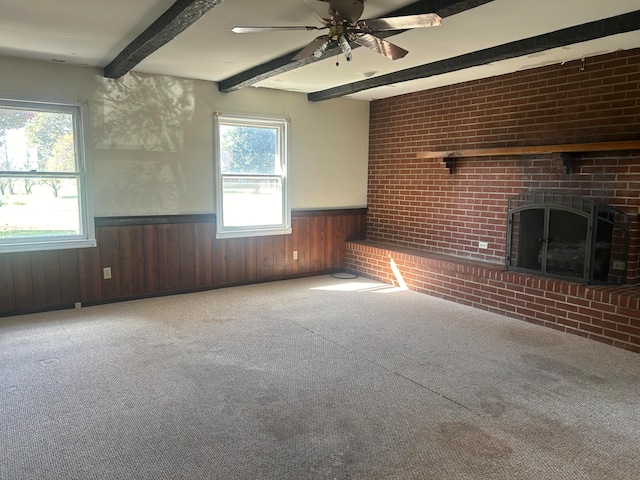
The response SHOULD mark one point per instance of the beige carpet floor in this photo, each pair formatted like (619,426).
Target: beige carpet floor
(316,378)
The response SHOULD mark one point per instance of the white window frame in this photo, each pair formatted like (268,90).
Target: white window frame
(86,237)
(282,127)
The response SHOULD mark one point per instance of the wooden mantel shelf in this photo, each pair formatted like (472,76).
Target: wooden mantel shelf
(562,148)
(566,149)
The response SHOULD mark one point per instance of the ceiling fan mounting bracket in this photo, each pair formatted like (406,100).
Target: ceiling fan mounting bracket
(362,27)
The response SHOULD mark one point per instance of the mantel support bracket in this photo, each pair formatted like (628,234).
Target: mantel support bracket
(450,163)
(567,161)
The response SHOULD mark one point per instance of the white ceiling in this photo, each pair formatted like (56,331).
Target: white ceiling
(93,32)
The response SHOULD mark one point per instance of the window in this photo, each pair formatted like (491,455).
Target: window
(251,176)
(44,179)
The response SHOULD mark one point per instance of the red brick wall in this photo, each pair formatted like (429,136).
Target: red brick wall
(417,203)
(609,314)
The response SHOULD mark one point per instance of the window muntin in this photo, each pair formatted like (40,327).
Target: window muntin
(43,177)
(251,176)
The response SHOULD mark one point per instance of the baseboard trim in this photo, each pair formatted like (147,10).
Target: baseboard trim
(71,306)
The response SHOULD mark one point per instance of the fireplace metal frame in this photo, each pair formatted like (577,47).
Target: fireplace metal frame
(599,217)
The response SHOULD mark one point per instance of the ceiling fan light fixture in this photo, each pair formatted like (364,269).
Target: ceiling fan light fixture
(321,49)
(346,48)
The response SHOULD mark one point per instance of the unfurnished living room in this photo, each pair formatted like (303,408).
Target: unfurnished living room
(309,239)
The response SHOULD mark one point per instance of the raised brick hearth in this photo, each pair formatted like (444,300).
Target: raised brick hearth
(609,314)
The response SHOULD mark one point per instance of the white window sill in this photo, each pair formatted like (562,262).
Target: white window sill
(253,233)
(36,246)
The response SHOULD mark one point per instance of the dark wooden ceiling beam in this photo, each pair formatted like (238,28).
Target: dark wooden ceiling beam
(284,63)
(181,15)
(580,33)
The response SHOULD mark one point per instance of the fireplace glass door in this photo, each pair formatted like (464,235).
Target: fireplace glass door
(566,244)
(549,241)
(528,227)
(563,236)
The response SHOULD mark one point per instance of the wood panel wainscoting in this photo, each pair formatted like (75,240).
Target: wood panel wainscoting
(162,255)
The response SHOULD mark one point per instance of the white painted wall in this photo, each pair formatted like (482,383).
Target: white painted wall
(151,143)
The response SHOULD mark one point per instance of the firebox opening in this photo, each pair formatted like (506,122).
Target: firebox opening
(558,235)
(567,243)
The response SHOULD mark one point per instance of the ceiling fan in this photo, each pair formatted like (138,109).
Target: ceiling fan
(342,20)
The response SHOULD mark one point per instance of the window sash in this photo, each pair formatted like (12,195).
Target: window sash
(81,175)
(224,227)
(256,204)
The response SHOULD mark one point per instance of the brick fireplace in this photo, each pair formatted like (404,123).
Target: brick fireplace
(444,224)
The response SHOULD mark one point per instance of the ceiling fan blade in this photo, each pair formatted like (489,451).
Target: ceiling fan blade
(271,29)
(310,49)
(381,46)
(400,23)
(337,10)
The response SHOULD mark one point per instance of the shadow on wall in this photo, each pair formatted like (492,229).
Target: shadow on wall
(139,112)
(138,127)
